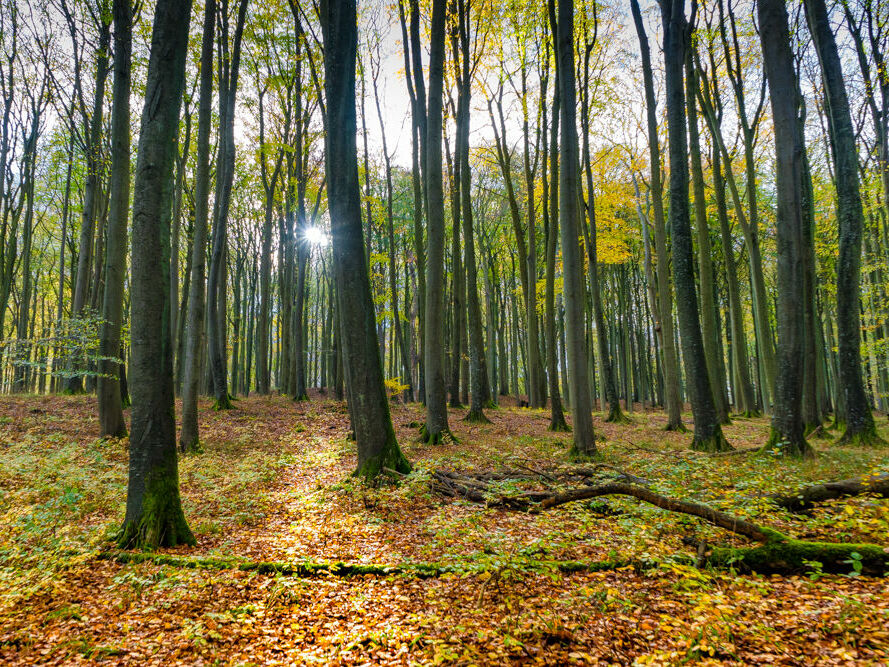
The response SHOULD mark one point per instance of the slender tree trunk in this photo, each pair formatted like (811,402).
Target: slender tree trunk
(569,199)
(436,397)
(225,166)
(189,435)
(110,403)
(74,384)
(664,326)
(708,433)
(709,330)
(369,408)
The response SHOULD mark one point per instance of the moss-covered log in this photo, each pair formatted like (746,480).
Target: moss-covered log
(340,569)
(789,556)
(806,497)
(778,553)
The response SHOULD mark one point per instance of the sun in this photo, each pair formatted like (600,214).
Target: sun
(316,236)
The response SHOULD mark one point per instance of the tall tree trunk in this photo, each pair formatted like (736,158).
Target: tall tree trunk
(225,167)
(664,326)
(189,435)
(480,392)
(709,329)
(74,384)
(860,427)
(110,403)
(708,433)
(369,408)
(787,425)
(569,202)
(154,514)
(436,397)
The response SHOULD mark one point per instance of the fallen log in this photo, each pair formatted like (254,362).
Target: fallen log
(806,497)
(777,553)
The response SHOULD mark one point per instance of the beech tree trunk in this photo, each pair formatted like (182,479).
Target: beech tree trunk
(154,514)
(569,204)
(860,427)
(189,435)
(369,408)
(110,404)
(787,424)
(708,433)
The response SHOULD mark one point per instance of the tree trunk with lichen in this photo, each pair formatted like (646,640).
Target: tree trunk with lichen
(860,427)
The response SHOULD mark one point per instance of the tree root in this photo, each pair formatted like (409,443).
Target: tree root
(715,444)
(866,437)
(443,437)
(806,497)
(676,428)
(617,416)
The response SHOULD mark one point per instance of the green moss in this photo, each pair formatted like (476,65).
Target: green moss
(391,458)
(559,426)
(439,438)
(617,416)
(340,569)
(866,437)
(678,428)
(788,556)
(162,523)
(715,443)
(777,443)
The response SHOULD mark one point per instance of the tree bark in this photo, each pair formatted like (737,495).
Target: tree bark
(369,408)
(860,427)
(189,434)
(787,426)
(154,514)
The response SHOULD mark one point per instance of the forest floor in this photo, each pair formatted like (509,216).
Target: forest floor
(272,483)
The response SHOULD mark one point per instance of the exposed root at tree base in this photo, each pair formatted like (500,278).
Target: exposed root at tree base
(716,443)
(618,416)
(476,417)
(443,437)
(676,428)
(866,437)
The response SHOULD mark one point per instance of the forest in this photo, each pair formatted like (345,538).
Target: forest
(444,332)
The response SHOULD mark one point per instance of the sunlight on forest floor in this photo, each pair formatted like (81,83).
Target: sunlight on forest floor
(272,483)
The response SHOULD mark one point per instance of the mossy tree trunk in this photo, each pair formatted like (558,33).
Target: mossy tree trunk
(850,217)
(154,515)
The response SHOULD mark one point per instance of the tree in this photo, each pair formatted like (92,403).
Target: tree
(369,408)
(664,326)
(860,427)
(787,425)
(708,433)
(569,203)
(154,513)
(189,436)
(110,403)
(436,425)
